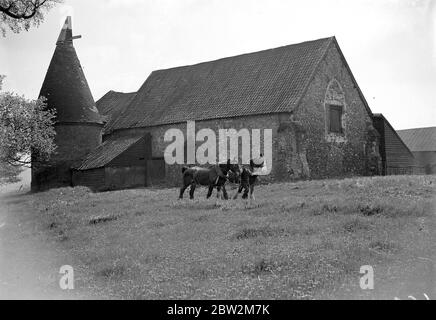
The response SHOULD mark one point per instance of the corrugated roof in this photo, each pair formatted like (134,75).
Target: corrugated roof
(65,85)
(107,151)
(268,81)
(419,139)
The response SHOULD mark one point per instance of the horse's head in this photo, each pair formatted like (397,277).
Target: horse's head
(235,169)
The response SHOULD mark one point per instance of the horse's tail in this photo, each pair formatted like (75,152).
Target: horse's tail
(184,168)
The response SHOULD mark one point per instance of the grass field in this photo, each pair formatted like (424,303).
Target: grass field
(304,240)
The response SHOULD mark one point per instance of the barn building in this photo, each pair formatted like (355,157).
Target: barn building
(322,126)
(396,156)
(422,143)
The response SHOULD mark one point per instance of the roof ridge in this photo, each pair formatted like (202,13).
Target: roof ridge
(242,54)
(419,128)
(121,92)
(111,92)
(247,84)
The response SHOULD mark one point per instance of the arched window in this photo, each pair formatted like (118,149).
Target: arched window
(335,113)
(335,106)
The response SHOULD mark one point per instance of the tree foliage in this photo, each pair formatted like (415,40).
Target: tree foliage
(9,173)
(18,15)
(26,128)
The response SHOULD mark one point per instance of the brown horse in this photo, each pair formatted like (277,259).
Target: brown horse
(214,176)
(247,181)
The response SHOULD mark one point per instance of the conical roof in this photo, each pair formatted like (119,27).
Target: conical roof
(65,86)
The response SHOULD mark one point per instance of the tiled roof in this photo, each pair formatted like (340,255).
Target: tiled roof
(107,151)
(65,85)
(268,81)
(419,139)
(112,103)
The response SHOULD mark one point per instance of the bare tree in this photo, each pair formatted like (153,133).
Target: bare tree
(19,15)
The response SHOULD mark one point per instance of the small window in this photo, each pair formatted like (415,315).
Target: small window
(335,119)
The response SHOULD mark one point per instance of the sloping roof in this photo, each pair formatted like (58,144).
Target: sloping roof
(419,139)
(268,81)
(107,151)
(65,86)
(113,102)
(382,117)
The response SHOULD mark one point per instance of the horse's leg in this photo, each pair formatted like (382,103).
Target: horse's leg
(218,192)
(252,192)
(191,191)
(187,180)
(252,182)
(182,190)
(238,192)
(209,192)
(218,196)
(246,188)
(225,195)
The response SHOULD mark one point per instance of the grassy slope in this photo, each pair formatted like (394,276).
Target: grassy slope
(297,240)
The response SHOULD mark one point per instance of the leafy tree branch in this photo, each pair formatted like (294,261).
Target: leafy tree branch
(26,132)
(18,15)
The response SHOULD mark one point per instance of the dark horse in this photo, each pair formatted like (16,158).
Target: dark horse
(214,176)
(247,181)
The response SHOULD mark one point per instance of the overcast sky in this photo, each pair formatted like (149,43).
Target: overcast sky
(390,45)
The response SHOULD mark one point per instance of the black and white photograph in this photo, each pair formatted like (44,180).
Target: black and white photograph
(217,157)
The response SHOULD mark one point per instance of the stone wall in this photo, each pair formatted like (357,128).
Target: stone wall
(281,161)
(74,142)
(334,155)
